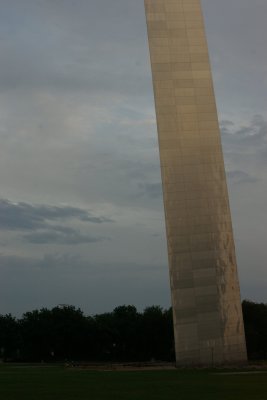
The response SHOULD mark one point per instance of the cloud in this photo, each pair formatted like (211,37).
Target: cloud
(253,132)
(62,236)
(26,216)
(245,144)
(245,151)
(41,222)
(237,177)
(151,190)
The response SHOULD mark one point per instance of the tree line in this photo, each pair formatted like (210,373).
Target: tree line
(66,334)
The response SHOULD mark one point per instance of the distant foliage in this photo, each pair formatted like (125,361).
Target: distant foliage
(66,334)
(255,320)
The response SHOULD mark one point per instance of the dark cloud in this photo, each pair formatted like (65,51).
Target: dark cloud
(41,221)
(25,216)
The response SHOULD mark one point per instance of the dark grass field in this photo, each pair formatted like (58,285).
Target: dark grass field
(56,383)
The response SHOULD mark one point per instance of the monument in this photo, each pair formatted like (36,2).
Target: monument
(208,322)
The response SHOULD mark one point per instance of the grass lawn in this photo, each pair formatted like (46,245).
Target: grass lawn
(56,383)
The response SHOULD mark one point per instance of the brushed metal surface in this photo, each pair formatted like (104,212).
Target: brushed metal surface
(208,320)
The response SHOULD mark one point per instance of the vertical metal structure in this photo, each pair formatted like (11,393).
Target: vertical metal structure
(208,320)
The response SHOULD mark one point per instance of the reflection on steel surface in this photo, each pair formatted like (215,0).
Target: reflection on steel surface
(205,291)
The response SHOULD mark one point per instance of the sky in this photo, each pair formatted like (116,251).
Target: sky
(81,210)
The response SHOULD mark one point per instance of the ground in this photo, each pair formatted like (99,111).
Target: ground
(25,382)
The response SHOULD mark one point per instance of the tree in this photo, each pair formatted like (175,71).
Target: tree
(9,337)
(157,334)
(57,334)
(255,321)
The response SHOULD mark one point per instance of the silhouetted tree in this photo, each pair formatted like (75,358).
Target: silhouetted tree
(157,334)
(255,321)
(62,333)
(65,333)
(9,337)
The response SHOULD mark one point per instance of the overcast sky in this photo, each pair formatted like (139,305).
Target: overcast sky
(81,212)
